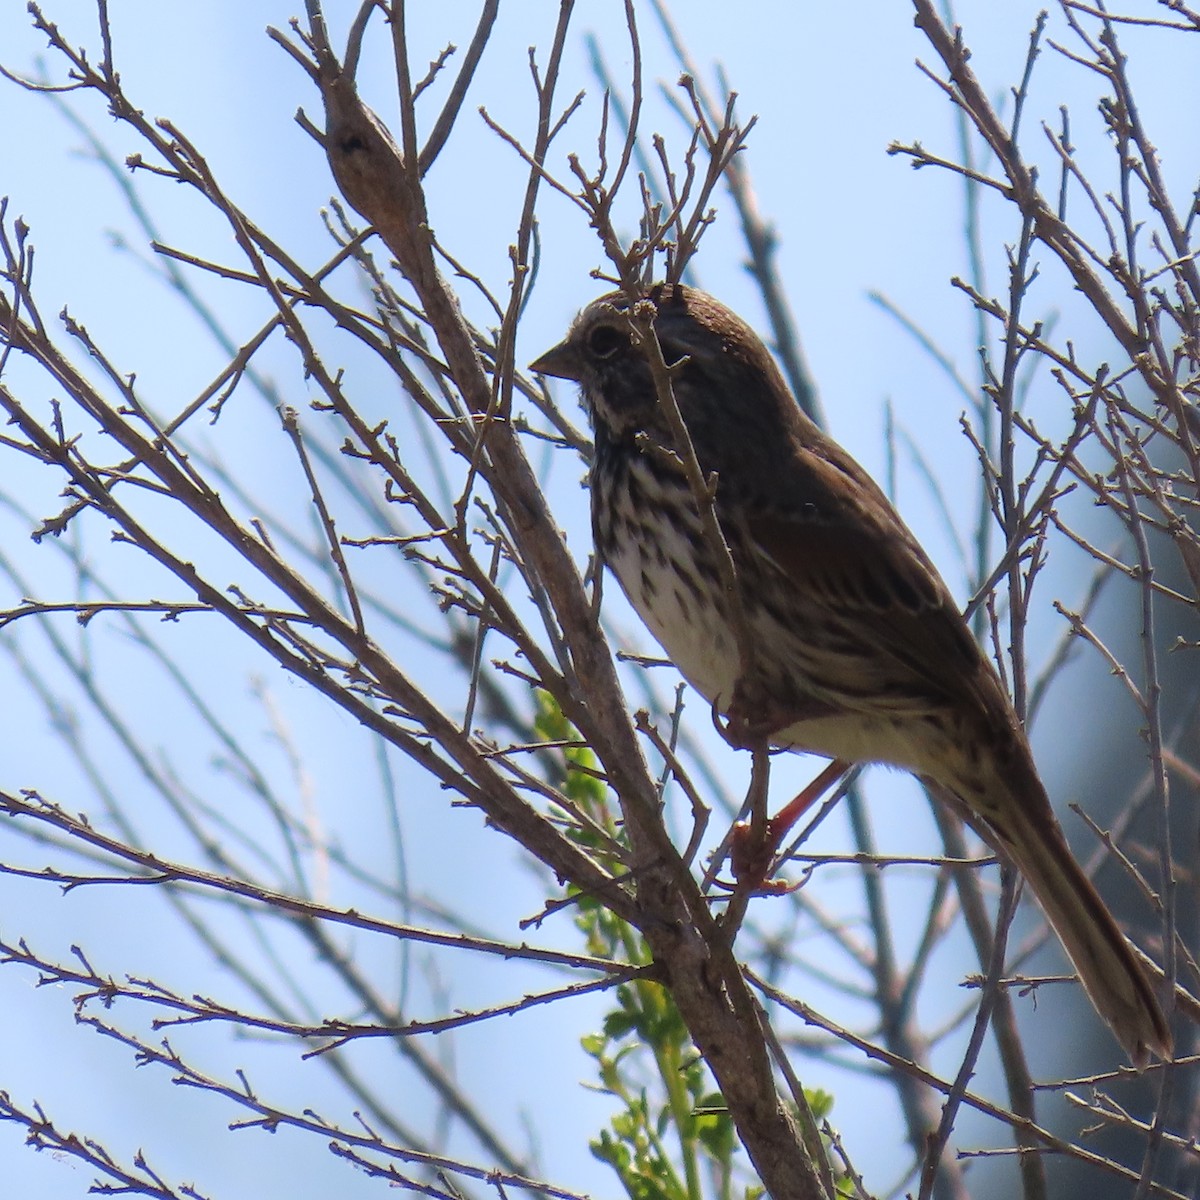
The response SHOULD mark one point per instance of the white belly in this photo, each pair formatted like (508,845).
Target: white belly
(694,637)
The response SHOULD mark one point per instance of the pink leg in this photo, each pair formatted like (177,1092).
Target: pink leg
(750,856)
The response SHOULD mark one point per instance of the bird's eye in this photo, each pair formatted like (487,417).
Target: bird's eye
(605,340)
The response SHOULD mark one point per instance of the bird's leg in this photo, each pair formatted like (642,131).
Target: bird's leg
(752,716)
(760,775)
(755,844)
(752,719)
(753,831)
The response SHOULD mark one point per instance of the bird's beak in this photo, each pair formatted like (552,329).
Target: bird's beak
(562,362)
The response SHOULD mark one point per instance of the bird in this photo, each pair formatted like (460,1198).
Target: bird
(838,636)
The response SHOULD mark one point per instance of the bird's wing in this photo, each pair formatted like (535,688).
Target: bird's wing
(846,554)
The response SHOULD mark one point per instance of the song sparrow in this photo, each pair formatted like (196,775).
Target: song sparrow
(858,651)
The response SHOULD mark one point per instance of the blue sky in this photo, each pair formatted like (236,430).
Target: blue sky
(832,84)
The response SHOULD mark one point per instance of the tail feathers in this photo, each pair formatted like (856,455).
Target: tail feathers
(1115,981)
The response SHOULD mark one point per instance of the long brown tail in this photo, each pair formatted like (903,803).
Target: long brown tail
(1115,981)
